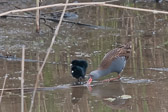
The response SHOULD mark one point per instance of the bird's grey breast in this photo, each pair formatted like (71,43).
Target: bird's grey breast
(118,64)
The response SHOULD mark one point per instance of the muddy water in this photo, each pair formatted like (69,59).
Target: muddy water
(145,77)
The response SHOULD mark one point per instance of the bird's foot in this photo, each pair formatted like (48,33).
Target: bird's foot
(79,83)
(111,79)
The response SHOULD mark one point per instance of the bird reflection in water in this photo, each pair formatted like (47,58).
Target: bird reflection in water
(111,90)
(77,94)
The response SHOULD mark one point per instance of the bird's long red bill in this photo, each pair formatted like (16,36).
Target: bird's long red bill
(89,81)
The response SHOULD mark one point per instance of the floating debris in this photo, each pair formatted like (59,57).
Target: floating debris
(110,99)
(125,97)
(134,81)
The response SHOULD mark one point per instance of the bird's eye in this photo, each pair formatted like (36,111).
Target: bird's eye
(72,71)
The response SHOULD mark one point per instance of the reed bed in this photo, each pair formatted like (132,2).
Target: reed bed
(65,5)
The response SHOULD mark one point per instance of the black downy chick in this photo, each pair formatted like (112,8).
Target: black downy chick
(78,69)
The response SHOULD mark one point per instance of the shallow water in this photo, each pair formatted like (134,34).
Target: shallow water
(145,77)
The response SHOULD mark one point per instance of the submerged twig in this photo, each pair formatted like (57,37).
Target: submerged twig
(3,2)
(67,21)
(49,49)
(3,87)
(22,79)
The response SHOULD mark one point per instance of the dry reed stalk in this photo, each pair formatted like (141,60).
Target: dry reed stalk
(3,87)
(73,8)
(50,6)
(38,66)
(48,52)
(135,9)
(22,79)
(85,3)
(37,16)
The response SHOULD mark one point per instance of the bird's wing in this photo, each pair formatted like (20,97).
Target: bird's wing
(108,58)
(113,54)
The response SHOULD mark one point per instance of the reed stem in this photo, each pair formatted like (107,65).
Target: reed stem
(22,79)
(48,52)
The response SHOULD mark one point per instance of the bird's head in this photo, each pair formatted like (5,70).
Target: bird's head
(93,76)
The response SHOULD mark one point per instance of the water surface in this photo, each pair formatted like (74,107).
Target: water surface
(145,77)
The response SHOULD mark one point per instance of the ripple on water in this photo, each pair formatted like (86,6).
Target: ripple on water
(159,69)
(131,80)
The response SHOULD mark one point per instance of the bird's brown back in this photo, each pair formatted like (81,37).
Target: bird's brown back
(113,54)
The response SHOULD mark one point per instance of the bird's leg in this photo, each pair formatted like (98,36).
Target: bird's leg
(112,79)
(80,81)
(89,81)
